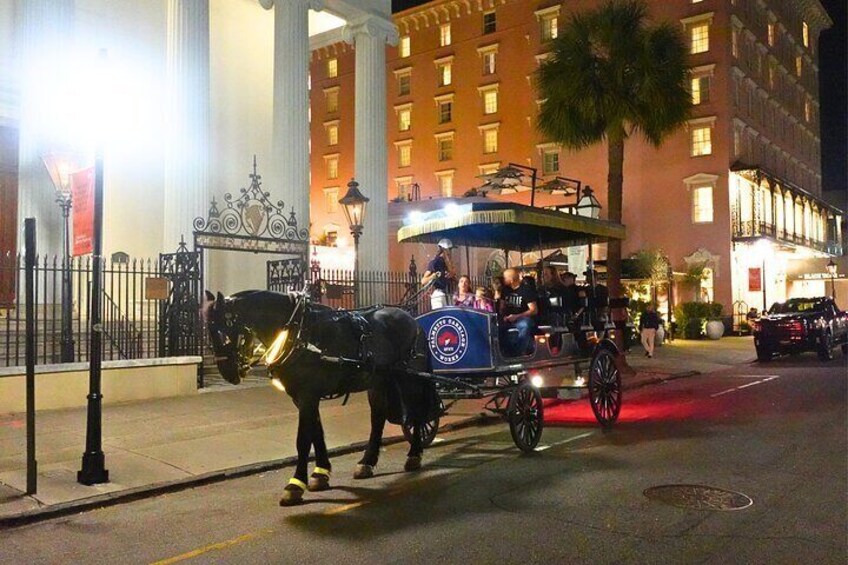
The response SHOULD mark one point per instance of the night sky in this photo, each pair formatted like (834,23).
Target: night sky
(833,76)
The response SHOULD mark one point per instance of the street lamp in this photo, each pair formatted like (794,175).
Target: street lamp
(354,204)
(509,180)
(588,206)
(831,270)
(59,166)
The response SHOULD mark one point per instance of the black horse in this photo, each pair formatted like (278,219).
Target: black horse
(316,352)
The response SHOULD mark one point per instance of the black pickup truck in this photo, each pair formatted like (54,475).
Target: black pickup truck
(801,324)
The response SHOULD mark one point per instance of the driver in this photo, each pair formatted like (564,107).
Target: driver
(520,308)
(440,269)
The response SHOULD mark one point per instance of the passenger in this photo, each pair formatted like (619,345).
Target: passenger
(483,300)
(497,295)
(553,289)
(570,297)
(464,296)
(520,306)
(440,270)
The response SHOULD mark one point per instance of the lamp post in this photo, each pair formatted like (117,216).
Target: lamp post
(831,270)
(59,166)
(354,204)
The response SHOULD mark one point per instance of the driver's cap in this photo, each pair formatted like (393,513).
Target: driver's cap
(446,244)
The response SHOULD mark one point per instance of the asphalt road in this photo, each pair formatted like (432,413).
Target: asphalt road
(775,432)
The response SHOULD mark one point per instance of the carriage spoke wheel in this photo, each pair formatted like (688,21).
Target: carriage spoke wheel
(605,387)
(525,415)
(427,431)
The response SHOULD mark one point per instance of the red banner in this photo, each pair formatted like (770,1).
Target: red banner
(82,193)
(755,279)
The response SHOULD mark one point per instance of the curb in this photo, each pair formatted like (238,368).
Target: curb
(158,489)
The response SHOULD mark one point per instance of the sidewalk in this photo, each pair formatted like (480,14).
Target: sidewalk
(160,445)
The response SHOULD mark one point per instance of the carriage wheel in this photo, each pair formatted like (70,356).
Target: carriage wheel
(427,431)
(525,415)
(605,387)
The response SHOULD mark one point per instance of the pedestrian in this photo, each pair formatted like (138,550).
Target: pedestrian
(439,272)
(649,323)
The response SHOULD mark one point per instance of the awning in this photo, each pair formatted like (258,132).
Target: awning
(504,225)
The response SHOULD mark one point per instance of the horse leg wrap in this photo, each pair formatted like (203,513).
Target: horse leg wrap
(320,479)
(363,471)
(293,493)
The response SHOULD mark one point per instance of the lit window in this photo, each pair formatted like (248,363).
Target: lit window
(490,101)
(550,161)
(331,195)
(772,34)
(404,84)
(446,185)
(808,110)
(489,61)
(699,38)
(550,27)
(490,140)
(445,111)
(332,134)
(700,90)
(404,189)
(445,147)
(771,75)
(445,35)
(404,119)
(805,34)
(734,43)
(332,164)
(490,22)
(707,285)
(404,47)
(444,74)
(332,68)
(331,97)
(702,204)
(701,141)
(798,65)
(404,155)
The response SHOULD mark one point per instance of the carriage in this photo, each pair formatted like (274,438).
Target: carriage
(461,347)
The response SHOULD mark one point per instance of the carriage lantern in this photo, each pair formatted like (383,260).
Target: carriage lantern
(588,206)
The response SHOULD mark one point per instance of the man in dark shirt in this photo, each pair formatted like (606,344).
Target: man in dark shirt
(520,308)
(440,271)
(570,295)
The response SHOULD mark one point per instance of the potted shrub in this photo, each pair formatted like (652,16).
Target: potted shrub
(715,324)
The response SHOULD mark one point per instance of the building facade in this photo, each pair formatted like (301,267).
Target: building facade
(733,196)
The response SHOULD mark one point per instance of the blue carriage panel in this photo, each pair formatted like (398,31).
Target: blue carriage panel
(459,340)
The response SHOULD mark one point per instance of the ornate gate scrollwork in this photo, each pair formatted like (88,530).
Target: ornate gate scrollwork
(181,329)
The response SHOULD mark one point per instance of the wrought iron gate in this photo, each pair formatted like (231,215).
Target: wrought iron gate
(286,275)
(181,328)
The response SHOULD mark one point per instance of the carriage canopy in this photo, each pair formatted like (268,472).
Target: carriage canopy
(504,225)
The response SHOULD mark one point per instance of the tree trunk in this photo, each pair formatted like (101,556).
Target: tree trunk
(615,188)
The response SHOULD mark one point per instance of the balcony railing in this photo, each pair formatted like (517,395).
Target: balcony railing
(743,230)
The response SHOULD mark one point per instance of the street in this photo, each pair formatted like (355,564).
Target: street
(774,432)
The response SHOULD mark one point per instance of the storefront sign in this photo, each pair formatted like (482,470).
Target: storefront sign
(755,279)
(82,194)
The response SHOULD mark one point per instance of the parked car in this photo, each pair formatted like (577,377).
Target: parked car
(801,324)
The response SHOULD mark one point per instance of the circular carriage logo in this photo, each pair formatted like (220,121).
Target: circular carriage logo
(448,340)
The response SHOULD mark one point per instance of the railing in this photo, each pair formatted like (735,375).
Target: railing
(750,229)
(130,322)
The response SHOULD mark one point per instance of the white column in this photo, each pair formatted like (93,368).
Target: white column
(289,167)
(369,36)
(45,30)
(187,157)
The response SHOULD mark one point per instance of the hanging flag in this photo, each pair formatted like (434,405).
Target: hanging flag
(755,277)
(82,194)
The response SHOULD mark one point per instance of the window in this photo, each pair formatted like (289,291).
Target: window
(489,62)
(332,68)
(488,168)
(332,134)
(444,35)
(445,184)
(445,111)
(444,74)
(772,71)
(404,188)
(331,163)
(445,145)
(700,89)
(799,64)
(404,154)
(404,118)
(772,34)
(490,101)
(734,43)
(702,204)
(490,140)
(331,197)
(805,34)
(550,27)
(701,141)
(707,285)
(332,235)
(550,161)
(699,38)
(490,22)
(404,83)
(404,47)
(808,110)
(331,99)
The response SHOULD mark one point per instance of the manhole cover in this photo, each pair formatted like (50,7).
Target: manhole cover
(699,497)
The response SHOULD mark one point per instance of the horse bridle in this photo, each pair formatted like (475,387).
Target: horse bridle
(294,339)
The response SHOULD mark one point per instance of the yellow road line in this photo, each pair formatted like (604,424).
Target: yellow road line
(212,547)
(345,508)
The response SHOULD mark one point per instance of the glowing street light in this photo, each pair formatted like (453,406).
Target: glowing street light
(354,204)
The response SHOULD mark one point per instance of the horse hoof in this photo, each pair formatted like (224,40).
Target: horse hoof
(363,471)
(318,482)
(292,496)
(412,464)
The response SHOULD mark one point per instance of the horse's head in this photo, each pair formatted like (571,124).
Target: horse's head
(232,341)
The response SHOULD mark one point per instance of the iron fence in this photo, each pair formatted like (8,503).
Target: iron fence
(130,324)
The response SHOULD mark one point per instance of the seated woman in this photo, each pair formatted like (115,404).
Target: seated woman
(464,297)
(483,300)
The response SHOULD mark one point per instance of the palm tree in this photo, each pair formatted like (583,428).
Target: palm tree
(613,74)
